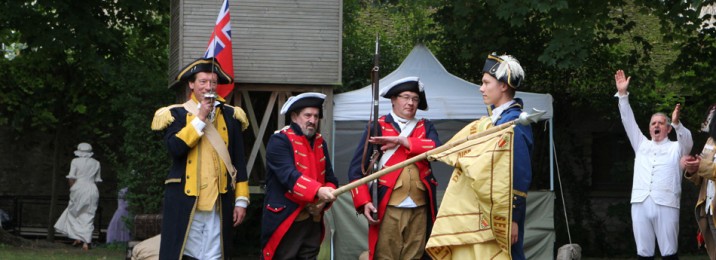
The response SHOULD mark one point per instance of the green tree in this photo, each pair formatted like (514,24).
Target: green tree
(400,24)
(89,72)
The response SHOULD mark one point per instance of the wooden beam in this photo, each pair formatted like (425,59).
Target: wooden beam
(258,143)
(254,126)
(281,119)
(294,88)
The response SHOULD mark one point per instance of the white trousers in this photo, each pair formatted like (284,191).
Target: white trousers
(204,240)
(653,222)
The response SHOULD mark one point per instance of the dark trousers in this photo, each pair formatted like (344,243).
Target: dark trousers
(301,241)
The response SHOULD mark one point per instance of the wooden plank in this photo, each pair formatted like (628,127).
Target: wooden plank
(327,122)
(262,129)
(292,79)
(287,80)
(312,55)
(279,87)
(298,39)
(295,29)
(287,64)
(325,47)
(279,74)
(254,127)
(288,4)
(283,43)
(314,19)
(281,119)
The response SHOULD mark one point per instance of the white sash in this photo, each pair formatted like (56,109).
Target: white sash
(213,135)
(409,127)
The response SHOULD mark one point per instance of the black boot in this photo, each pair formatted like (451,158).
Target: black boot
(645,257)
(670,257)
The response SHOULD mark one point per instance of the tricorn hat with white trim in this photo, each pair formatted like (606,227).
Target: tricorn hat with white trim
(308,99)
(412,84)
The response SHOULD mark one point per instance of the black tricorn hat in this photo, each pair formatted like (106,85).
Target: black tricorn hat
(303,100)
(504,68)
(412,84)
(203,65)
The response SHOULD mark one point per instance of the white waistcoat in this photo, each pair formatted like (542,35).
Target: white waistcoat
(657,172)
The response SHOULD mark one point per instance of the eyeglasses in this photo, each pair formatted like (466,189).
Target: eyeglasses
(409,98)
(203,82)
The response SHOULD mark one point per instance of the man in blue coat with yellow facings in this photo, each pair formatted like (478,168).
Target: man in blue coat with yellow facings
(483,236)
(299,183)
(502,76)
(206,192)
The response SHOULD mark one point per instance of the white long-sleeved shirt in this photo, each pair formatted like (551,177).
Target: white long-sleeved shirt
(657,172)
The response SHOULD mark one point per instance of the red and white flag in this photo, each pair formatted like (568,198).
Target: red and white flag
(220,47)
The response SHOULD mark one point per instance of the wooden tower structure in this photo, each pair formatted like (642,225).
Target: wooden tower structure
(280,48)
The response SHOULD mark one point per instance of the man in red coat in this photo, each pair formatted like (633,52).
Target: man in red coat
(299,174)
(407,205)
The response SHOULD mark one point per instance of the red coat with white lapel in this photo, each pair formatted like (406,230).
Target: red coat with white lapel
(423,138)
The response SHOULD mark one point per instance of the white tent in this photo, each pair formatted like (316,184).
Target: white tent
(452,102)
(449,97)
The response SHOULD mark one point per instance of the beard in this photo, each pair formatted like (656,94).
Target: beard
(309,130)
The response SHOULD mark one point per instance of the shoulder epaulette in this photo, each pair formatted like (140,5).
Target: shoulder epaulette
(240,115)
(163,117)
(284,128)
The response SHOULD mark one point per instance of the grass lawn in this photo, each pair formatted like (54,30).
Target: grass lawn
(63,252)
(116,251)
(681,257)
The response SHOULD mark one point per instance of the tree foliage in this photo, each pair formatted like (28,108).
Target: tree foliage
(400,24)
(88,72)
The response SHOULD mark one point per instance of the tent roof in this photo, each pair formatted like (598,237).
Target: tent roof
(449,97)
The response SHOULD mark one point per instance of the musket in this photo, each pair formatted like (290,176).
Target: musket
(368,168)
(375,75)
(524,119)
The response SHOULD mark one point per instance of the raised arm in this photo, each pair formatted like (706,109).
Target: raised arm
(622,82)
(632,130)
(683,134)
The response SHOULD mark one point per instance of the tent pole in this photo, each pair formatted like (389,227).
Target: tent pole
(551,155)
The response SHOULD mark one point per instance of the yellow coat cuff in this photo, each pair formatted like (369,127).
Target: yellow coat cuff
(188,134)
(242,190)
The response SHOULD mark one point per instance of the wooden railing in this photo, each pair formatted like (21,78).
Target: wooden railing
(29,214)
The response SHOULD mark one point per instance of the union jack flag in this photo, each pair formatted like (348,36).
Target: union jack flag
(220,47)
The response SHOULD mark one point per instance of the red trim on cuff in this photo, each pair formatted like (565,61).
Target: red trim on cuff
(330,184)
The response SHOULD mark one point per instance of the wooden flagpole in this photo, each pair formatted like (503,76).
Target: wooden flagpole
(524,119)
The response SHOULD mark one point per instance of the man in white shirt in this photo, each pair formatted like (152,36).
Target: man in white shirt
(656,189)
